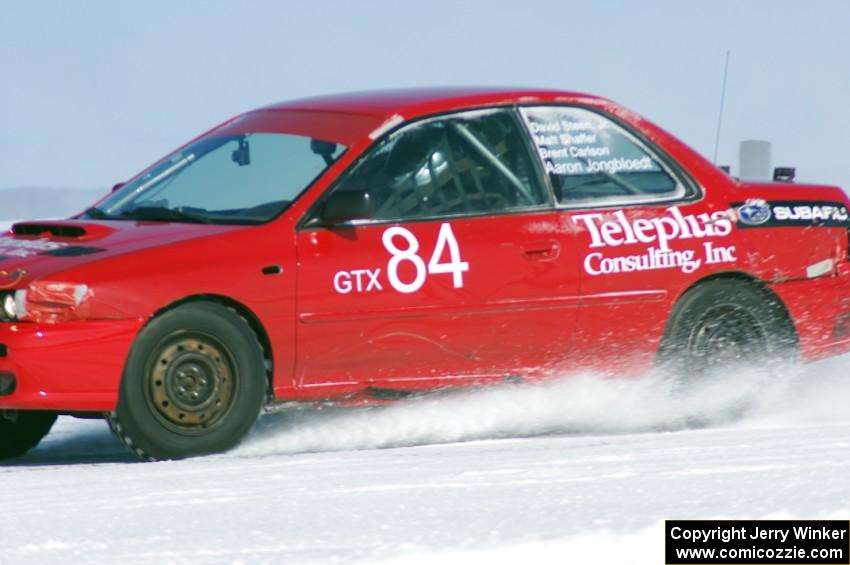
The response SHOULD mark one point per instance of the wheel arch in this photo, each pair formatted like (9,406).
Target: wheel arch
(244,312)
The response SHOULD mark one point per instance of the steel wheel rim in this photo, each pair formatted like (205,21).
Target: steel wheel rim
(191,383)
(725,334)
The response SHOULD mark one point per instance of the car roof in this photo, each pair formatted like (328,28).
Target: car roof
(411,102)
(347,118)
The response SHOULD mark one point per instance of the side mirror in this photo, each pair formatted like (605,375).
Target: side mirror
(324,148)
(345,206)
(118,186)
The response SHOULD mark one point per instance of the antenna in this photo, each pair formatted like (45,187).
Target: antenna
(722,101)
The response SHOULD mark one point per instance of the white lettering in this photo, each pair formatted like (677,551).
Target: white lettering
(590,223)
(718,254)
(667,229)
(374,283)
(686,261)
(609,230)
(644,230)
(721,223)
(618,230)
(663,229)
(342,282)
(811,213)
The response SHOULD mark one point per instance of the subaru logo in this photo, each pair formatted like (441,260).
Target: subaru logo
(754,212)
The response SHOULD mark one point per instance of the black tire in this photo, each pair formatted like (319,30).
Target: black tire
(194,384)
(21,430)
(726,322)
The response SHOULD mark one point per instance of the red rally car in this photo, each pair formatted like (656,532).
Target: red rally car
(362,247)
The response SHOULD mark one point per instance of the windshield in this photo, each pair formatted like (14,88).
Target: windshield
(239,179)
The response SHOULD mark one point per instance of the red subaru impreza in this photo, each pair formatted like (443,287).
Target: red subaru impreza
(363,247)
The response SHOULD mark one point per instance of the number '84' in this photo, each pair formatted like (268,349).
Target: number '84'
(408,251)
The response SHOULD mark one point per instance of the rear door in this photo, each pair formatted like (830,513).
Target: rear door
(641,231)
(459,275)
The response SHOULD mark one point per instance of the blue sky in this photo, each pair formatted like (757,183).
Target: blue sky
(92,92)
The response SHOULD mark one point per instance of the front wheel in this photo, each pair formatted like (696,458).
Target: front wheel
(194,384)
(22,430)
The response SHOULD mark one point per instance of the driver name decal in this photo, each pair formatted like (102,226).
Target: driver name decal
(617,230)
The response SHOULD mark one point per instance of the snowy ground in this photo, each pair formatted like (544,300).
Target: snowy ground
(584,470)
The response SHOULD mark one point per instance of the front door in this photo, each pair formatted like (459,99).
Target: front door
(459,275)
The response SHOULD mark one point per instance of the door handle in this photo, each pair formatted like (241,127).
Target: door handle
(541,251)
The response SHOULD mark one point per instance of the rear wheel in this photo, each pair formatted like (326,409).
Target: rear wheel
(194,384)
(22,430)
(723,323)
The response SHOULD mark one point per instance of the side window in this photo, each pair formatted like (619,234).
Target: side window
(590,159)
(471,163)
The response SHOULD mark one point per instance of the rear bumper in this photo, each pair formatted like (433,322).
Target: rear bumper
(820,310)
(71,366)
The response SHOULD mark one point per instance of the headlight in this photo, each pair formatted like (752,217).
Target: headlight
(12,305)
(51,301)
(10,309)
(44,301)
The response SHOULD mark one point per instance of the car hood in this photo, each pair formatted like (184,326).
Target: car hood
(30,250)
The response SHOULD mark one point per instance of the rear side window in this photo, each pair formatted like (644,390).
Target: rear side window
(470,163)
(592,160)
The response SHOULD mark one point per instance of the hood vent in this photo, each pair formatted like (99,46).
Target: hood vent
(55,230)
(62,229)
(72,251)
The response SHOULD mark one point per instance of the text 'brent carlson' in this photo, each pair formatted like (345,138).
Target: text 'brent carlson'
(620,231)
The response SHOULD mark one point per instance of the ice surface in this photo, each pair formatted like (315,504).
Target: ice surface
(580,470)
(585,469)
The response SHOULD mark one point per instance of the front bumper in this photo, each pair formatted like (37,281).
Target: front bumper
(820,310)
(70,366)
